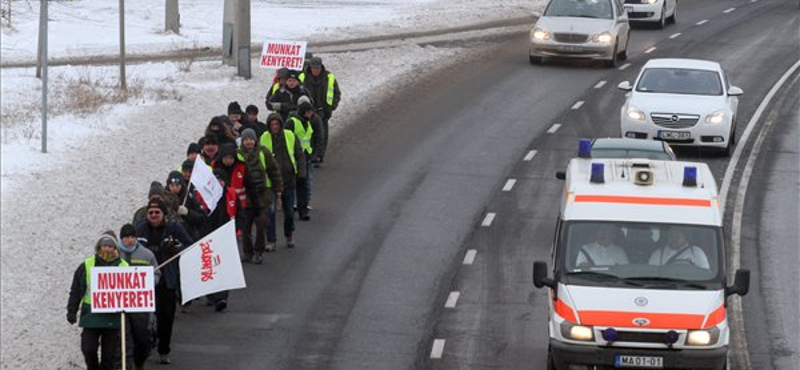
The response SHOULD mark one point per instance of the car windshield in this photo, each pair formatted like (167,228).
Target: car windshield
(580,8)
(680,81)
(654,255)
(629,153)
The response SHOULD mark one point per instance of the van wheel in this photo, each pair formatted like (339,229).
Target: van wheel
(551,365)
(534,60)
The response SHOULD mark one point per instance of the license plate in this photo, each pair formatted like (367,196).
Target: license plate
(675,135)
(570,49)
(648,362)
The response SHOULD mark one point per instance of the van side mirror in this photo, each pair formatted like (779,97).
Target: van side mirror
(540,278)
(735,91)
(741,283)
(561,175)
(625,86)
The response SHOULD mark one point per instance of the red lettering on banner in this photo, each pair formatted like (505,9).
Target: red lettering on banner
(206,257)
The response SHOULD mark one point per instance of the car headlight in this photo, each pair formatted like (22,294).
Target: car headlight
(716,117)
(577,332)
(635,113)
(540,35)
(604,38)
(649,2)
(702,337)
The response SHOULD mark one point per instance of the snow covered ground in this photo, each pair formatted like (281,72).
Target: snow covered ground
(100,163)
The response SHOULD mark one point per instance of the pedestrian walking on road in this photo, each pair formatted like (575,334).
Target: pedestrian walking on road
(225,210)
(324,90)
(284,100)
(306,126)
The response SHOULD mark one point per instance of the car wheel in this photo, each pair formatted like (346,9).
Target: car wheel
(611,63)
(674,17)
(731,142)
(534,60)
(663,21)
(623,55)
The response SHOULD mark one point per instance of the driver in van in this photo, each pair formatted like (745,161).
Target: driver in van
(678,250)
(602,251)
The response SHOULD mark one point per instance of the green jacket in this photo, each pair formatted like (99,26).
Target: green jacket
(78,291)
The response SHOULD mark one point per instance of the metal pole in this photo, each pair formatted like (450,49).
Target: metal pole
(44,78)
(122,81)
(42,21)
(122,335)
(241,37)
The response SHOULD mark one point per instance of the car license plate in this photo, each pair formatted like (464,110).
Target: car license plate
(648,362)
(570,49)
(675,135)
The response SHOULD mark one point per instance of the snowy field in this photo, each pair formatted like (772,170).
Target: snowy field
(101,160)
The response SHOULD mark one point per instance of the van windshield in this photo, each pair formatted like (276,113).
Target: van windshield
(641,254)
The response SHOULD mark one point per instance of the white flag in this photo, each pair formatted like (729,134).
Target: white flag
(212,264)
(206,184)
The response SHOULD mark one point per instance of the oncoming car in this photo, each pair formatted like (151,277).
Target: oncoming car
(631,148)
(683,102)
(656,11)
(590,29)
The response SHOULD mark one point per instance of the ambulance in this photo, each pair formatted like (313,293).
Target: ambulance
(638,278)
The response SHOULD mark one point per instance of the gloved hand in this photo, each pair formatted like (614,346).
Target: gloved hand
(183,211)
(71,318)
(276,106)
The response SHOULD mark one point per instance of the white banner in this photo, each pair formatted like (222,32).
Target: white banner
(206,184)
(280,53)
(123,289)
(212,264)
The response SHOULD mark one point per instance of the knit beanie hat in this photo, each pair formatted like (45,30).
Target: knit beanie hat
(249,133)
(155,189)
(227,149)
(157,203)
(193,148)
(127,230)
(234,108)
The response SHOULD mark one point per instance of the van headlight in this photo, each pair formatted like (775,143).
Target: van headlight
(702,337)
(539,34)
(649,2)
(634,113)
(716,117)
(603,38)
(577,332)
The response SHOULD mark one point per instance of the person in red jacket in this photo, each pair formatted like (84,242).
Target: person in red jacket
(225,210)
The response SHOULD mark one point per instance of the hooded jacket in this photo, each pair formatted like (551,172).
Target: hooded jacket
(261,171)
(284,100)
(281,154)
(317,87)
(79,288)
(164,240)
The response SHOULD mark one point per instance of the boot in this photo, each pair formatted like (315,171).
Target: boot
(258,258)
(270,247)
(289,242)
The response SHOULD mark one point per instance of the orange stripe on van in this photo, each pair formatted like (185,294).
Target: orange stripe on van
(655,320)
(643,200)
(715,317)
(565,311)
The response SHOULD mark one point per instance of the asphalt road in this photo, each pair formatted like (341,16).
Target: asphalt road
(405,191)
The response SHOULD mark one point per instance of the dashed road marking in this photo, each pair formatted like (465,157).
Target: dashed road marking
(650,50)
(624,66)
(554,128)
(704,21)
(577,105)
(469,258)
(452,299)
(674,35)
(438,348)
(509,184)
(600,84)
(487,221)
(529,156)
(729,10)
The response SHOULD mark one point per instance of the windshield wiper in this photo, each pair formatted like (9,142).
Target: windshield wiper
(594,274)
(681,282)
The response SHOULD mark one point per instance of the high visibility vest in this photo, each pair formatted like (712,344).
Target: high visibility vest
(329,92)
(275,88)
(263,165)
(88,264)
(288,136)
(303,134)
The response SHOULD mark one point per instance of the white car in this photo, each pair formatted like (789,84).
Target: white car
(683,102)
(590,29)
(652,11)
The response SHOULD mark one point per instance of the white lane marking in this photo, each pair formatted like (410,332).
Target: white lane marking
(728,10)
(438,348)
(753,1)
(734,259)
(452,299)
(650,50)
(469,258)
(704,21)
(624,66)
(600,84)
(675,35)
(529,156)
(577,105)
(487,221)
(554,128)
(509,184)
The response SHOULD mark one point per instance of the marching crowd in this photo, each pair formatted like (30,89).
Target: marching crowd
(263,167)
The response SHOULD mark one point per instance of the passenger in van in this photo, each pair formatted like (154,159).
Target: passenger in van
(678,250)
(603,251)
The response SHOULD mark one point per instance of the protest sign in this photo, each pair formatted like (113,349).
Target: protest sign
(280,53)
(123,289)
(212,264)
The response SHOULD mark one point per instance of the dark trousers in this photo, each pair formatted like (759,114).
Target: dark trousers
(107,340)
(287,198)
(139,329)
(166,300)
(304,188)
(325,130)
(254,217)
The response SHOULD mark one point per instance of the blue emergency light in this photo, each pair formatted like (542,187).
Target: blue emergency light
(584,148)
(671,337)
(690,176)
(610,335)
(598,172)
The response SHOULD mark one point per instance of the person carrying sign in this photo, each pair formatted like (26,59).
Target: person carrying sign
(99,329)
(323,88)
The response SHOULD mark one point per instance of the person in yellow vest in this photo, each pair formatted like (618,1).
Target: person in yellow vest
(306,126)
(324,90)
(99,329)
(288,153)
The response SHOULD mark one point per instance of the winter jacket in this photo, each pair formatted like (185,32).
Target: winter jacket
(237,177)
(284,100)
(194,220)
(317,87)
(263,168)
(289,169)
(141,256)
(225,210)
(77,292)
(164,241)
(315,122)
